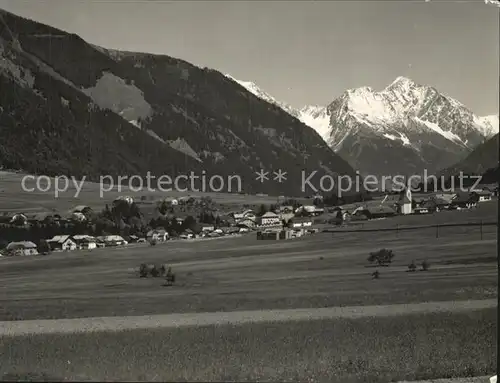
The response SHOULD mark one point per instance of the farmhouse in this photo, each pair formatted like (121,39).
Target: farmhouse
(113,240)
(246,223)
(435,204)
(159,235)
(483,195)
(22,248)
(464,201)
(18,219)
(62,243)
(270,219)
(85,242)
(206,227)
(299,222)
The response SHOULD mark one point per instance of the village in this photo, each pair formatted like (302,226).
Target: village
(152,222)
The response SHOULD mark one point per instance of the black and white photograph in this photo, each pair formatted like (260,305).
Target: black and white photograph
(249,190)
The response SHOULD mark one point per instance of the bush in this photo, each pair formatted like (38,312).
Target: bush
(412,267)
(382,257)
(425,266)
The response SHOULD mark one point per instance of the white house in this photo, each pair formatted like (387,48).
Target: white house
(157,235)
(62,242)
(114,240)
(483,196)
(299,222)
(85,242)
(22,248)
(270,219)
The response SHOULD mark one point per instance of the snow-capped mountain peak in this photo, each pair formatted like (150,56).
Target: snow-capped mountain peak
(417,121)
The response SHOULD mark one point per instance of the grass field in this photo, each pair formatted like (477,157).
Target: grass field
(234,274)
(360,350)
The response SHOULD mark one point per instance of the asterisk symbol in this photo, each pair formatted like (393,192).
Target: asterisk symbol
(262,176)
(280,176)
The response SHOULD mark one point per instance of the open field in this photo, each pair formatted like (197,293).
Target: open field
(245,274)
(319,272)
(372,350)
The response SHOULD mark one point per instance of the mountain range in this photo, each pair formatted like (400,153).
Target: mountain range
(73,108)
(403,129)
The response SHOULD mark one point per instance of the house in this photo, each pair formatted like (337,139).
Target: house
(464,200)
(62,243)
(375,212)
(247,214)
(299,222)
(404,204)
(159,235)
(113,240)
(187,234)
(83,209)
(421,210)
(18,219)
(436,204)
(78,217)
(448,197)
(306,210)
(483,195)
(270,219)
(22,248)
(207,227)
(245,223)
(85,242)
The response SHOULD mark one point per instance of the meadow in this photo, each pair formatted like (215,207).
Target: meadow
(343,350)
(242,273)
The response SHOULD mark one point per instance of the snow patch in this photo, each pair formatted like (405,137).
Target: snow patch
(448,135)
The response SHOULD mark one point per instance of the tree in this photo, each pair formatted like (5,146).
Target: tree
(43,247)
(425,266)
(382,257)
(339,218)
(262,210)
(188,223)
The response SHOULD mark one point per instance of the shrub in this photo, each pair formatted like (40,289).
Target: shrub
(425,266)
(382,257)
(412,267)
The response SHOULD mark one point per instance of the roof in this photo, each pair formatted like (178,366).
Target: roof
(59,238)
(113,238)
(83,237)
(483,192)
(21,245)
(270,214)
(380,210)
(80,208)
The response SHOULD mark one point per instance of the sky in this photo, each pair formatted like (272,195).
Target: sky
(303,52)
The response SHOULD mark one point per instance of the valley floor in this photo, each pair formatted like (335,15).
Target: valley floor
(435,334)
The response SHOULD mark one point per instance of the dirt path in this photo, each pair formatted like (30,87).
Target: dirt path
(231,318)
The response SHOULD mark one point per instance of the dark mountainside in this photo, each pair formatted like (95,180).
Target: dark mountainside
(483,158)
(68,107)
